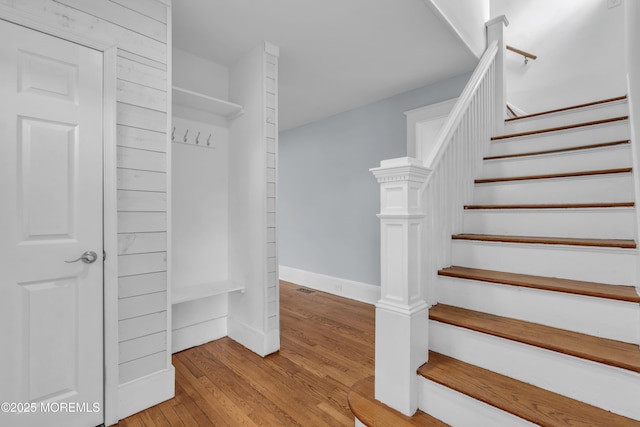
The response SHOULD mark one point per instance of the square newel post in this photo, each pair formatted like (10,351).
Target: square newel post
(495,31)
(401,313)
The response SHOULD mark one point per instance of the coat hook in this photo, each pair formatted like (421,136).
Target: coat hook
(185,135)
(173,134)
(198,138)
(209,140)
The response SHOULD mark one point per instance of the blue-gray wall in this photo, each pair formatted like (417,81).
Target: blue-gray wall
(328,199)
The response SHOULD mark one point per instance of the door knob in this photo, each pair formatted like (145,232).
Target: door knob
(87,257)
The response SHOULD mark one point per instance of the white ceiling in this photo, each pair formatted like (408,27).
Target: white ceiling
(335,55)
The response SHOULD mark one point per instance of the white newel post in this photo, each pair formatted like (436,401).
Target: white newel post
(401,313)
(495,31)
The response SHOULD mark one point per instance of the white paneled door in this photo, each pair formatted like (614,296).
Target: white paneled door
(51,310)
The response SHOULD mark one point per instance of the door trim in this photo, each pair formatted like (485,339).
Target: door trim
(110,242)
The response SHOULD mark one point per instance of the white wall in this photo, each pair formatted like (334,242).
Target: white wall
(199,177)
(580,48)
(328,198)
(467,17)
(199,205)
(200,75)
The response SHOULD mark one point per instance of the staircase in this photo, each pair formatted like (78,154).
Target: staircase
(537,305)
(537,321)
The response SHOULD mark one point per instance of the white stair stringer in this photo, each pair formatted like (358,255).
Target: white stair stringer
(595,223)
(575,115)
(609,157)
(616,320)
(615,266)
(603,188)
(574,137)
(459,410)
(611,388)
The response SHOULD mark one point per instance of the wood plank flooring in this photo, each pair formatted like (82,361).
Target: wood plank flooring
(327,345)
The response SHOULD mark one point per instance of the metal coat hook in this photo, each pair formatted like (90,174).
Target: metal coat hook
(193,140)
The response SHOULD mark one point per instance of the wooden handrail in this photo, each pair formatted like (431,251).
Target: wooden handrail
(526,55)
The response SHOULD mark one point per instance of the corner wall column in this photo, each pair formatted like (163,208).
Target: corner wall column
(401,313)
(495,31)
(632,58)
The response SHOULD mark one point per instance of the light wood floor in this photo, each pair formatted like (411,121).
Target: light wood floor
(327,344)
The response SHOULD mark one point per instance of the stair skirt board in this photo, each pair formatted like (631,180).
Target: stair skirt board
(602,223)
(614,131)
(610,157)
(460,410)
(603,265)
(600,317)
(580,115)
(614,389)
(609,188)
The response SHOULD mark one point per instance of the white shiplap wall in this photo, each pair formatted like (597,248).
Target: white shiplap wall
(139,29)
(271,126)
(253,253)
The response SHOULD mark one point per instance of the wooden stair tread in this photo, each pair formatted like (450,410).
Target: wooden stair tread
(592,289)
(560,150)
(555,206)
(375,413)
(554,175)
(571,241)
(602,350)
(573,107)
(559,128)
(526,401)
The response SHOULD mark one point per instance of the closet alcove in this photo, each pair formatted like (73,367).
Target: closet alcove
(223,237)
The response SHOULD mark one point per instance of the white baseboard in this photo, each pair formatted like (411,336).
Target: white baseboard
(200,333)
(145,392)
(257,341)
(351,289)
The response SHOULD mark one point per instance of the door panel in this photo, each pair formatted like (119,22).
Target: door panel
(47,156)
(51,311)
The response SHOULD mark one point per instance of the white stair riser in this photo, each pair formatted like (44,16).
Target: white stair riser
(614,157)
(617,320)
(607,387)
(596,223)
(614,131)
(563,118)
(606,188)
(603,265)
(460,410)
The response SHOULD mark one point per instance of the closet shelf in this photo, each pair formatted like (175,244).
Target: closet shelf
(206,103)
(209,289)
